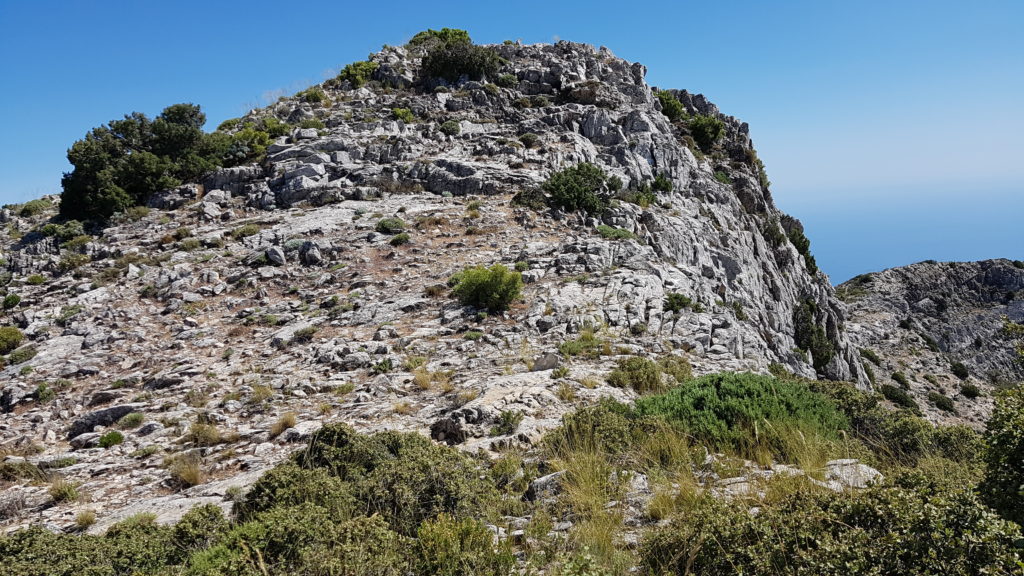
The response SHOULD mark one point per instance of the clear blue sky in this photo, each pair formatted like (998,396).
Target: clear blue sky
(894,130)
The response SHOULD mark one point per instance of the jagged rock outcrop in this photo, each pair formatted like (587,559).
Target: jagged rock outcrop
(942,325)
(268,290)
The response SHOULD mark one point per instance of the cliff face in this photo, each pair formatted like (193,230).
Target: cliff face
(924,319)
(268,289)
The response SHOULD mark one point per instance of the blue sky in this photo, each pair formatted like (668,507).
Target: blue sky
(894,130)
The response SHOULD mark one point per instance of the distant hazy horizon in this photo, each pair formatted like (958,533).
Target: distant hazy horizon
(892,130)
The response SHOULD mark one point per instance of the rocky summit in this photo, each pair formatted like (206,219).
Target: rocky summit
(241,312)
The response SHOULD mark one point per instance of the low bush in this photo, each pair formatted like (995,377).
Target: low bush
(959,370)
(671,107)
(580,187)
(661,184)
(403,114)
(399,239)
(21,355)
(112,438)
(612,233)
(811,336)
(901,379)
(34,207)
(898,396)
(454,58)
(970,391)
(942,402)
(747,413)
(358,73)
(906,526)
(1003,484)
(390,225)
(454,547)
(706,131)
(10,338)
(646,376)
(871,356)
(493,288)
(10,301)
(676,303)
(450,127)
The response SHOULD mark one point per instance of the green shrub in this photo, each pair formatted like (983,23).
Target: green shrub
(608,427)
(23,354)
(676,302)
(358,73)
(457,547)
(670,105)
(810,336)
(970,391)
(443,36)
(289,485)
(507,81)
(508,422)
(453,59)
(587,345)
(451,128)
(245,231)
(722,177)
(578,188)
(898,396)
(35,280)
(399,239)
(120,164)
(313,95)
(131,420)
(871,356)
(403,114)
(795,233)
(647,376)
(404,477)
(905,526)
(1003,484)
(315,123)
(959,370)
(661,184)
(390,225)
(731,410)
(612,233)
(901,379)
(530,140)
(706,131)
(34,207)
(493,288)
(111,438)
(10,338)
(942,402)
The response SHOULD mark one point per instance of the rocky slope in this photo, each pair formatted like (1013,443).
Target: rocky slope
(246,310)
(943,326)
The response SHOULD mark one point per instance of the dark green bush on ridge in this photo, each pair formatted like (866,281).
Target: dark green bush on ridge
(706,131)
(120,164)
(670,105)
(452,55)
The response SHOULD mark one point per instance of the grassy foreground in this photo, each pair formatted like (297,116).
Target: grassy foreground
(396,504)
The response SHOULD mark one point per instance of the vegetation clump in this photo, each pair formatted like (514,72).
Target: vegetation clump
(120,164)
(706,131)
(453,55)
(811,336)
(493,289)
(671,107)
(10,338)
(1003,484)
(580,187)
